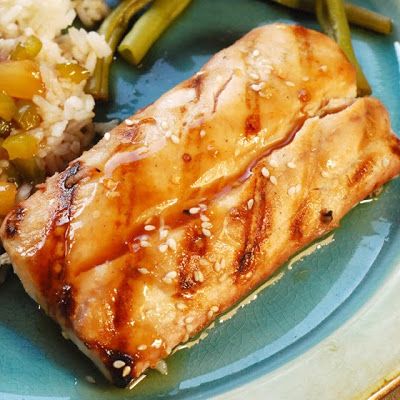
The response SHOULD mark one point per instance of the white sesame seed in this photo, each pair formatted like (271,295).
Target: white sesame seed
(142,347)
(254,75)
(202,133)
(291,165)
(210,314)
(163,233)
(206,232)
(257,86)
(250,204)
(189,320)
(181,306)
(145,243)
(292,190)
(198,276)
(248,275)
(214,309)
(149,228)
(126,371)
(203,207)
(171,244)
(164,125)
(204,218)
(168,134)
(385,162)
(323,68)
(298,188)
(163,247)
(206,225)
(324,174)
(118,364)
(255,53)
(289,83)
(157,343)
(171,275)
(194,210)
(143,271)
(107,136)
(273,180)
(273,163)
(331,164)
(175,139)
(129,122)
(265,172)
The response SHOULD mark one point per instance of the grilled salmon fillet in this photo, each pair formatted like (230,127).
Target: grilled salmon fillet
(194,201)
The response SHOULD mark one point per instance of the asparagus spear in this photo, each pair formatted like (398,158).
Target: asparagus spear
(149,28)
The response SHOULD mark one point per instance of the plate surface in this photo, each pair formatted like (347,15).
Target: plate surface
(309,300)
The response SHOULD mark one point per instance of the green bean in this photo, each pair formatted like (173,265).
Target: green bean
(323,18)
(113,28)
(149,28)
(356,15)
(340,26)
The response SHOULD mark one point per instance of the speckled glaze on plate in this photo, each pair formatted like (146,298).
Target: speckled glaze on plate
(315,299)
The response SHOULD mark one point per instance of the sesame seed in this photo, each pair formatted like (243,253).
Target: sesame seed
(254,75)
(291,165)
(171,244)
(331,164)
(149,228)
(385,162)
(203,207)
(292,190)
(324,174)
(255,53)
(257,86)
(289,83)
(298,188)
(323,68)
(145,243)
(204,218)
(206,225)
(171,275)
(118,364)
(265,172)
(194,210)
(273,180)
(306,78)
(175,139)
(163,247)
(157,343)
(189,320)
(210,314)
(168,134)
(250,204)
(198,276)
(164,125)
(248,275)
(214,309)
(181,306)
(163,233)
(142,347)
(129,122)
(107,136)
(143,271)
(206,232)
(273,163)
(202,133)
(126,371)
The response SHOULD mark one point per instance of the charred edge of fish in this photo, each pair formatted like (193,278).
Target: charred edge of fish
(245,262)
(219,92)
(120,365)
(13,222)
(326,216)
(66,302)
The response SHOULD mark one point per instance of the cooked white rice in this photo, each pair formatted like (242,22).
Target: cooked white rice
(66,110)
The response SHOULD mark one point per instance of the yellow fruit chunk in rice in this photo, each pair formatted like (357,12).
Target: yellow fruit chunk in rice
(8,107)
(21,79)
(8,193)
(28,49)
(27,116)
(73,72)
(21,145)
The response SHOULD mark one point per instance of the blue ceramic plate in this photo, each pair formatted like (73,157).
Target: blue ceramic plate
(311,300)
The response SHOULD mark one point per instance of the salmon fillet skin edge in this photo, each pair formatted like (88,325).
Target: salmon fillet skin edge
(193,202)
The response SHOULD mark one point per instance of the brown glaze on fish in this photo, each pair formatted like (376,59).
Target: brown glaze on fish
(198,198)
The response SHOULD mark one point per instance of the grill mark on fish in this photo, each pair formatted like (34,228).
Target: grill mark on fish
(196,83)
(361,172)
(299,220)
(219,92)
(13,222)
(252,124)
